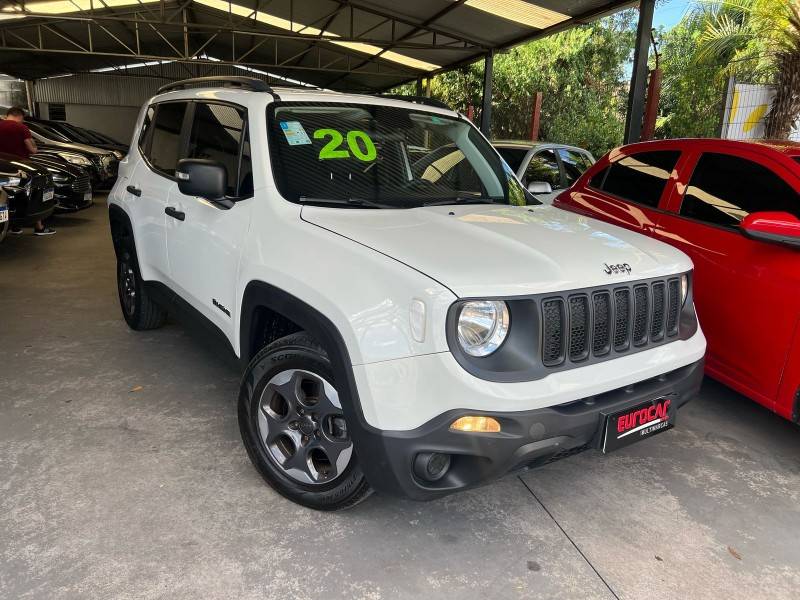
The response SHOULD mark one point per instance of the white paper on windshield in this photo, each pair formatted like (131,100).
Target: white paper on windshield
(294,133)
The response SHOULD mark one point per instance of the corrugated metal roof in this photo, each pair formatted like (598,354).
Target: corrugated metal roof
(340,44)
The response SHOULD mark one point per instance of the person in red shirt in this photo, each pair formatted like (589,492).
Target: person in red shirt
(15,138)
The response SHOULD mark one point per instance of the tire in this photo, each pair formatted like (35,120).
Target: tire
(140,311)
(293,428)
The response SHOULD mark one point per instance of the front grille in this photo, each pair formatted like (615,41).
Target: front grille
(553,331)
(578,328)
(624,318)
(81,184)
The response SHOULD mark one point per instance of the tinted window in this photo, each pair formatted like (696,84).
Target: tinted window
(544,167)
(641,177)
(597,179)
(575,163)
(350,154)
(724,189)
(166,136)
(513,156)
(217,135)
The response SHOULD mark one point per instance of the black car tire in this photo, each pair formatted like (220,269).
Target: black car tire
(297,352)
(141,312)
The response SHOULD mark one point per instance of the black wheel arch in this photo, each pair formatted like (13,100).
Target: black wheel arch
(121,229)
(366,438)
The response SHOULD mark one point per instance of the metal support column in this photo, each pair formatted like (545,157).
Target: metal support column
(30,97)
(486,109)
(633,118)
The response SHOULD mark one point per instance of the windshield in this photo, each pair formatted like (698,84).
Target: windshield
(46,132)
(384,157)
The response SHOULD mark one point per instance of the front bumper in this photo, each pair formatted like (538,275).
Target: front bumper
(69,200)
(528,438)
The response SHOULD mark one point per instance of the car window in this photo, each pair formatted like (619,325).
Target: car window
(544,167)
(724,189)
(575,163)
(216,135)
(345,155)
(513,156)
(641,177)
(597,179)
(166,136)
(46,131)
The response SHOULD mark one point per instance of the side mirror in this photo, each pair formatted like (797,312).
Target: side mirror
(778,227)
(201,177)
(539,187)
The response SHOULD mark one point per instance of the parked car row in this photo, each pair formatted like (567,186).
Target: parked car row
(71,161)
(92,151)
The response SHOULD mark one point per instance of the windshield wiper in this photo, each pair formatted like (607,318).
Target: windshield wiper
(343,202)
(463,200)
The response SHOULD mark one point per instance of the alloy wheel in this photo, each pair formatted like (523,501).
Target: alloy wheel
(302,427)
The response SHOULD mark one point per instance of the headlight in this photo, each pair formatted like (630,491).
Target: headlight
(482,326)
(684,288)
(10,181)
(75,159)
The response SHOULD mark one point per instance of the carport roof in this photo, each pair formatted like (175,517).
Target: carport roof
(337,44)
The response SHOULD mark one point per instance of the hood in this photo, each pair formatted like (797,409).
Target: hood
(70,146)
(55,164)
(488,250)
(11,165)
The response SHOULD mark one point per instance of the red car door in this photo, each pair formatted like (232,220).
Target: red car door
(747,292)
(628,188)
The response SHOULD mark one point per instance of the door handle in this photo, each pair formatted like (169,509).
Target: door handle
(134,190)
(175,214)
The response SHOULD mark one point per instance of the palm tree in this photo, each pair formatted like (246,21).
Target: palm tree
(764,31)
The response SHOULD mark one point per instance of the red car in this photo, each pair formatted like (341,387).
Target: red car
(733,207)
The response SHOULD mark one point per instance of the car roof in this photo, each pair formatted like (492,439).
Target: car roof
(251,99)
(529,144)
(787,147)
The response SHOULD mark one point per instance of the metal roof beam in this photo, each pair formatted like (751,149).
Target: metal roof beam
(482,44)
(133,19)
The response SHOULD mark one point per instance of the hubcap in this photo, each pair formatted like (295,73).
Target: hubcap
(301,425)
(127,287)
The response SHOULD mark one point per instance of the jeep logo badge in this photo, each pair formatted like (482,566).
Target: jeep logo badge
(618,268)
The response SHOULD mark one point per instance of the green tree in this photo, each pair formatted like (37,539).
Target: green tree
(764,36)
(580,72)
(692,93)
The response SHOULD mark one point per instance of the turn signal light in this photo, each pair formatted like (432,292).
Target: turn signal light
(477,424)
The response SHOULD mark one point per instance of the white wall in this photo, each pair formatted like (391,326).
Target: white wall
(116,121)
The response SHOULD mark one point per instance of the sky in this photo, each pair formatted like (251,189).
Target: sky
(668,13)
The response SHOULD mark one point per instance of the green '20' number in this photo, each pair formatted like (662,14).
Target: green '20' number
(355,139)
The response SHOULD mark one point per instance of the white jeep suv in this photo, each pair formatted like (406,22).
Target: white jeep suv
(408,317)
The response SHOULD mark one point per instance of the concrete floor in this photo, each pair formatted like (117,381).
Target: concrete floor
(122,476)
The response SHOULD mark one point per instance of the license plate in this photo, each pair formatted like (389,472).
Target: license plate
(48,195)
(87,196)
(3,214)
(637,423)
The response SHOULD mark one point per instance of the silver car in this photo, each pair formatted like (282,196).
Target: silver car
(545,169)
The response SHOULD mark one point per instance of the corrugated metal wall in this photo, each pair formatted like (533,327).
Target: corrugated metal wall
(108,90)
(123,90)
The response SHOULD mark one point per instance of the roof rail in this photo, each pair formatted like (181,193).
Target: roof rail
(418,100)
(251,83)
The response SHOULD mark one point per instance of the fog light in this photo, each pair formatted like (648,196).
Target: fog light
(431,466)
(473,423)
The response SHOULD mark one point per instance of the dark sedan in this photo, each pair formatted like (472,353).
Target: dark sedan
(72,184)
(31,196)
